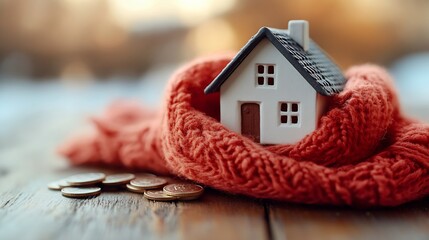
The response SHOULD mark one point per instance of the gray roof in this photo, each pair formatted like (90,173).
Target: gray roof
(314,65)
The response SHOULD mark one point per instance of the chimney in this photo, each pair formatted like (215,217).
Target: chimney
(299,31)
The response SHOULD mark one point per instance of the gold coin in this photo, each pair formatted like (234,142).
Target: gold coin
(148,182)
(131,188)
(183,190)
(85,179)
(75,192)
(158,195)
(118,179)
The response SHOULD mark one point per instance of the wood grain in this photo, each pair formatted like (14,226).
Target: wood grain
(28,210)
(222,217)
(35,213)
(290,221)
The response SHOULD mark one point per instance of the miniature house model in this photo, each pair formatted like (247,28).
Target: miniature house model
(275,89)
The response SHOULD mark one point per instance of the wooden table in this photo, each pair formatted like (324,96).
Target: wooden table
(28,210)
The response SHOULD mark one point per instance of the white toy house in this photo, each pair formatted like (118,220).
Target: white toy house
(274,91)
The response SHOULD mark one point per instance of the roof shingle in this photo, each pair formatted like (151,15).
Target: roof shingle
(314,65)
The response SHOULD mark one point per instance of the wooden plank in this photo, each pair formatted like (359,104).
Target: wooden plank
(220,216)
(46,214)
(290,221)
(28,210)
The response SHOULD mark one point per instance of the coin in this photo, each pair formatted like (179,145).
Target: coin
(118,179)
(185,190)
(144,175)
(54,185)
(86,179)
(63,183)
(58,185)
(131,188)
(148,182)
(158,195)
(75,192)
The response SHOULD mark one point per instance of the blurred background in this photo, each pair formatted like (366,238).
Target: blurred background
(70,56)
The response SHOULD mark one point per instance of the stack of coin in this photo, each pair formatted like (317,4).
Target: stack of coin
(184,191)
(152,187)
(81,185)
(117,180)
(155,188)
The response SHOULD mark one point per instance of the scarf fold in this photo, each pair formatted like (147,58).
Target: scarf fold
(364,152)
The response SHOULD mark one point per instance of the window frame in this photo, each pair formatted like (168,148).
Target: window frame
(290,110)
(265,79)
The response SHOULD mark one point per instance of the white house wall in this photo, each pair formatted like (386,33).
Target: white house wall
(290,86)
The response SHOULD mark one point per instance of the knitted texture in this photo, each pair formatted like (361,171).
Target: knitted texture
(364,152)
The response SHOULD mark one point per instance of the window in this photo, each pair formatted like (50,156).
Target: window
(265,75)
(289,113)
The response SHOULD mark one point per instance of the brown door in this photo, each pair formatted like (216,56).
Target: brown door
(250,121)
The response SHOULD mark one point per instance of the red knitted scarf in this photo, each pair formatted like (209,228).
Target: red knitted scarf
(364,152)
